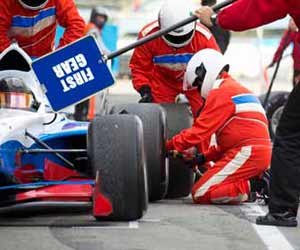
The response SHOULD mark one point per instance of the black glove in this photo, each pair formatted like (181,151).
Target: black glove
(174,154)
(200,159)
(271,65)
(145,92)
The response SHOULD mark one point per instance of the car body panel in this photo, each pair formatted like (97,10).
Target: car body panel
(38,176)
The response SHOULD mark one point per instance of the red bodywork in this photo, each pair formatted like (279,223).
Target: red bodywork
(61,192)
(101,206)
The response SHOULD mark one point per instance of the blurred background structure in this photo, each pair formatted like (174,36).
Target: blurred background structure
(249,52)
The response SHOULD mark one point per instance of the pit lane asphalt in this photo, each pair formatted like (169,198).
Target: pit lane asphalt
(168,224)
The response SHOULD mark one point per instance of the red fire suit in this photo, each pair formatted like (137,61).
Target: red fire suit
(288,38)
(35,30)
(237,118)
(162,67)
(247,14)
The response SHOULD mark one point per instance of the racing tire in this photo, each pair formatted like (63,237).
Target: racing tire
(274,109)
(181,178)
(116,155)
(154,127)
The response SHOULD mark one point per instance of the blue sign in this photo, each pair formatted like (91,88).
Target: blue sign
(73,73)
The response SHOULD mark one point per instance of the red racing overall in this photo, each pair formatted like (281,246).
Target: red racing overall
(248,14)
(162,67)
(35,30)
(237,118)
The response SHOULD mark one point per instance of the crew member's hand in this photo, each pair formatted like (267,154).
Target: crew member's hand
(174,154)
(189,154)
(271,65)
(204,14)
(191,157)
(146,94)
(200,159)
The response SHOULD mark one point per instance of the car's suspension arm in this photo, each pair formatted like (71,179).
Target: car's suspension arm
(51,151)
(46,146)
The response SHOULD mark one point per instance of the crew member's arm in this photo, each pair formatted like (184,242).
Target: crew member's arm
(245,14)
(216,112)
(5,24)
(69,18)
(248,14)
(284,43)
(141,66)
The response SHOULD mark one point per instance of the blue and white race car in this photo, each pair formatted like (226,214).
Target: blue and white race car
(47,160)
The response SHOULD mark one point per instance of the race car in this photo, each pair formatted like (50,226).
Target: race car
(47,160)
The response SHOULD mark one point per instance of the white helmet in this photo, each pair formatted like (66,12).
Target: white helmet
(172,12)
(203,70)
(33,4)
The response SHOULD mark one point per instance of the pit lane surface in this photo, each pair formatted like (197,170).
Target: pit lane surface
(168,224)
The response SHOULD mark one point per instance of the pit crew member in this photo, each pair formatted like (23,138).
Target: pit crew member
(235,115)
(285,165)
(158,67)
(32,23)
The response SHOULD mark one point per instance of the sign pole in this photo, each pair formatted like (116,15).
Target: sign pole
(163,31)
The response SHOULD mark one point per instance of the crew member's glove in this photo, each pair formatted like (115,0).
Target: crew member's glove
(194,161)
(191,159)
(200,159)
(189,154)
(271,65)
(146,95)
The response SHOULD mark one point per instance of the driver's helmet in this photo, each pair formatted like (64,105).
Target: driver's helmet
(15,94)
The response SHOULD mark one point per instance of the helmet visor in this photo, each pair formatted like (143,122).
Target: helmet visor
(179,40)
(15,100)
(197,83)
(14,94)
(33,4)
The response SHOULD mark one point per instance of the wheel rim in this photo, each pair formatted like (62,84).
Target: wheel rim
(276,118)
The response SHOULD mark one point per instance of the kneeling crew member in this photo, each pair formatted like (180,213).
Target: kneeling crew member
(237,118)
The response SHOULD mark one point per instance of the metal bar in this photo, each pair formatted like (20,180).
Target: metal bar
(163,32)
(44,145)
(39,151)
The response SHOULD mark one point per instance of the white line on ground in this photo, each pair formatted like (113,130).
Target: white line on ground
(271,236)
(133,225)
(150,220)
(130,225)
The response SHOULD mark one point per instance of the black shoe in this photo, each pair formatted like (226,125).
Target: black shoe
(286,219)
(262,186)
